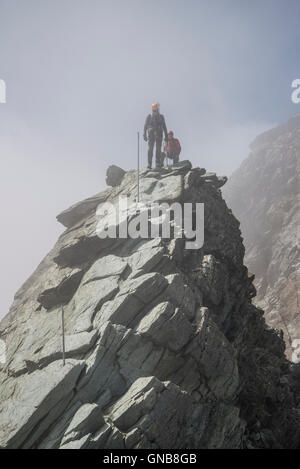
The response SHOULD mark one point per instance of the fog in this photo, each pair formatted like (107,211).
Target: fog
(81,77)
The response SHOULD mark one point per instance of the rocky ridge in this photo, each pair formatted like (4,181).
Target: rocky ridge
(164,346)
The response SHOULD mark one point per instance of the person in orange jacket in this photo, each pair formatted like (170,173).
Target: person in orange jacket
(172,148)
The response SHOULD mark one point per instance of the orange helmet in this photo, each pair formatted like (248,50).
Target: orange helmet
(155,107)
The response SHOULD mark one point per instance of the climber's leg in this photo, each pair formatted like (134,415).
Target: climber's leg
(151,141)
(158,159)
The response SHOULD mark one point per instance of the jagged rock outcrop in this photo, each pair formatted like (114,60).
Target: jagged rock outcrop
(264,194)
(164,348)
(114,175)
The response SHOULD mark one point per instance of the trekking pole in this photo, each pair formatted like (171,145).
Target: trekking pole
(63,335)
(138,167)
(167,158)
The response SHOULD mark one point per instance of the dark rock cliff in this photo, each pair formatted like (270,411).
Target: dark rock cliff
(264,194)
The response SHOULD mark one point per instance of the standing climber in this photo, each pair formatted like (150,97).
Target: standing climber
(154,128)
(172,148)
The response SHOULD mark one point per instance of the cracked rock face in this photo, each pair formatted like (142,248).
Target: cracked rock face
(164,348)
(264,193)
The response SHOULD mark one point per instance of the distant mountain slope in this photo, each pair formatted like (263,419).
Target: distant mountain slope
(264,194)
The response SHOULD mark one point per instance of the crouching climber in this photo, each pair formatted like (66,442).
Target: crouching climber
(155,127)
(172,148)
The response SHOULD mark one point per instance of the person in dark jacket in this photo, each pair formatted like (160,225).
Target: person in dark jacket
(172,148)
(155,127)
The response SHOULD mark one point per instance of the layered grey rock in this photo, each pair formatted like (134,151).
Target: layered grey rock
(164,348)
(36,402)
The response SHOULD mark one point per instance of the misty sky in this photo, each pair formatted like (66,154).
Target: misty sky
(81,77)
